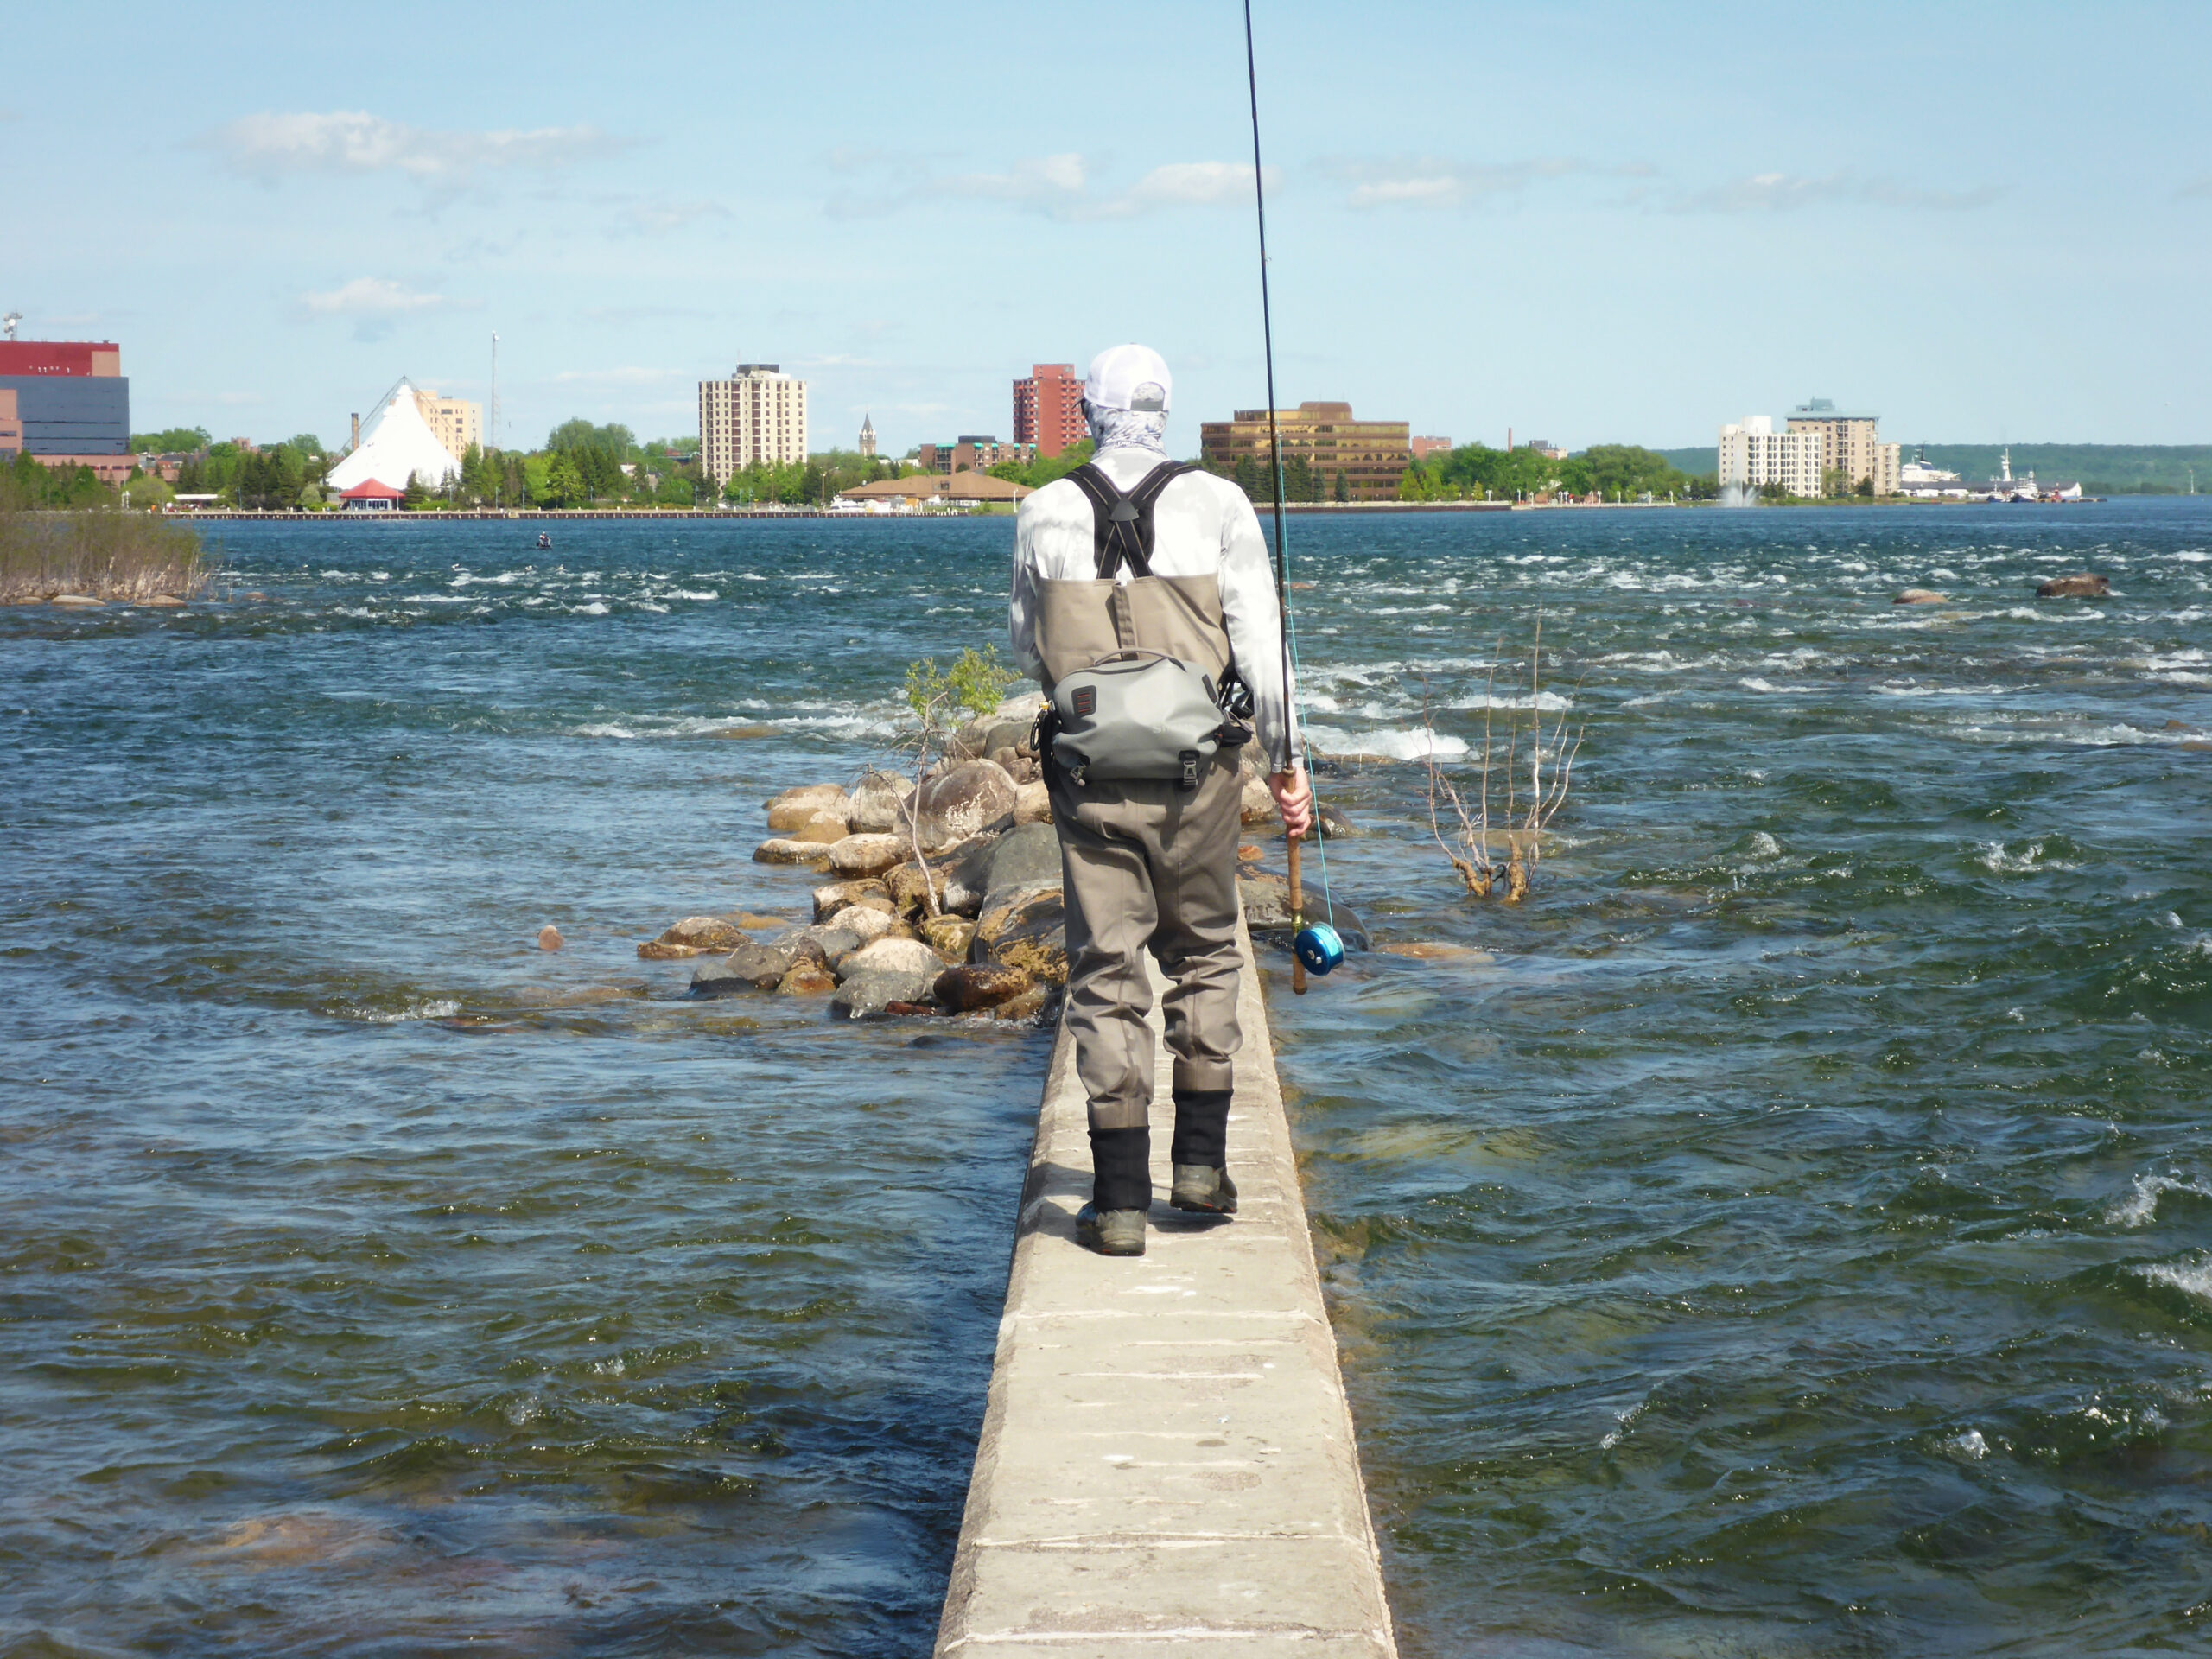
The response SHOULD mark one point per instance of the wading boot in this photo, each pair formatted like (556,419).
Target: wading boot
(1200,1153)
(1111,1232)
(1203,1190)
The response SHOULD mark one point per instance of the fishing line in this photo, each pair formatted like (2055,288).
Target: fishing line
(1318,947)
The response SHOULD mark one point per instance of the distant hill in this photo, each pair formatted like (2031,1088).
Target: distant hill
(2100,468)
(1698,463)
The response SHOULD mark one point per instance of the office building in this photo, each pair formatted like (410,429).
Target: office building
(11,430)
(72,400)
(1424,447)
(1370,456)
(455,421)
(972,455)
(1850,444)
(1753,454)
(757,416)
(1048,409)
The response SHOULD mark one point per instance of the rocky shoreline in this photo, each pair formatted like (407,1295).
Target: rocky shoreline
(945,897)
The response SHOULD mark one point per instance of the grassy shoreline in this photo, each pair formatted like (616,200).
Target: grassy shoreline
(129,556)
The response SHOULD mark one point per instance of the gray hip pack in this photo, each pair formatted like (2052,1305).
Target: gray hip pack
(1136,715)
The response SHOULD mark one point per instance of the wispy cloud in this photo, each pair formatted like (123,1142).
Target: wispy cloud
(1047,181)
(665,218)
(272,146)
(375,304)
(1781,193)
(1062,186)
(1438,181)
(2197,187)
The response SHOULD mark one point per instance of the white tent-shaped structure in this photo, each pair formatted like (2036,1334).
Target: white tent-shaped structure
(396,441)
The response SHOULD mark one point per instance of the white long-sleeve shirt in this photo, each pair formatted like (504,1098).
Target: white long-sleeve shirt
(1202,525)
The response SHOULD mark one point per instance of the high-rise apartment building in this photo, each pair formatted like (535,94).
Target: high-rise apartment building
(1753,455)
(455,421)
(1048,408)
(1850,444)
(72,399)
(1370,456)
(757,415)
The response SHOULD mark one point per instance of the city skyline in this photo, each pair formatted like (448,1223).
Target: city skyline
(1589,222)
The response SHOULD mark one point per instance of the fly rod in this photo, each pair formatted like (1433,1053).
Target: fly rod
(1318,947)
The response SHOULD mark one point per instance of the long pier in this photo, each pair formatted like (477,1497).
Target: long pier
(1167,1461)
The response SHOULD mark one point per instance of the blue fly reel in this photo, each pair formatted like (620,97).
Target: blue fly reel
(1318,948)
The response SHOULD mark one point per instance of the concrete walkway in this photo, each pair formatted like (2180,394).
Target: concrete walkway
(1168,1460)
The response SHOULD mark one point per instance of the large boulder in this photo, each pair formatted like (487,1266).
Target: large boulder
(1267,909)
(1257,802)
(1027,929)
(867,924)
(749,968)
(824,829)
(806,979)
(1032,802)
(2085,585)
(708,933)
(890,956)
(965,991)
(860,856)
(963,801)
(795,807)
(949,936)
(863,996)
(781,851)
(1028,856)
(875,803)
(842,895)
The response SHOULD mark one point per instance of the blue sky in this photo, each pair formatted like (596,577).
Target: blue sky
(1590,222)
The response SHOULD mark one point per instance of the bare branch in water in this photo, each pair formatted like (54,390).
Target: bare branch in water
(1551,774)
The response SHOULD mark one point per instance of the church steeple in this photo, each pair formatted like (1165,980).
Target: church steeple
(868,435)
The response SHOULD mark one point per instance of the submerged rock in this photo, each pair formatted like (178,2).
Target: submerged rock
(2087,585)
(549,937)
(1920,596)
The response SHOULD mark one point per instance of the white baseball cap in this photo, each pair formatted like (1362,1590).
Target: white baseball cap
(1128,377)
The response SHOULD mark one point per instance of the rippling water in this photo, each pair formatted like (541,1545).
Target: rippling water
(1790,1238)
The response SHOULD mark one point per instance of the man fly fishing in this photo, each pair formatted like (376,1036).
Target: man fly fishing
(1143,602)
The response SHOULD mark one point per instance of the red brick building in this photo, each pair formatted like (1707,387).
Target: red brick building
(1048,408)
